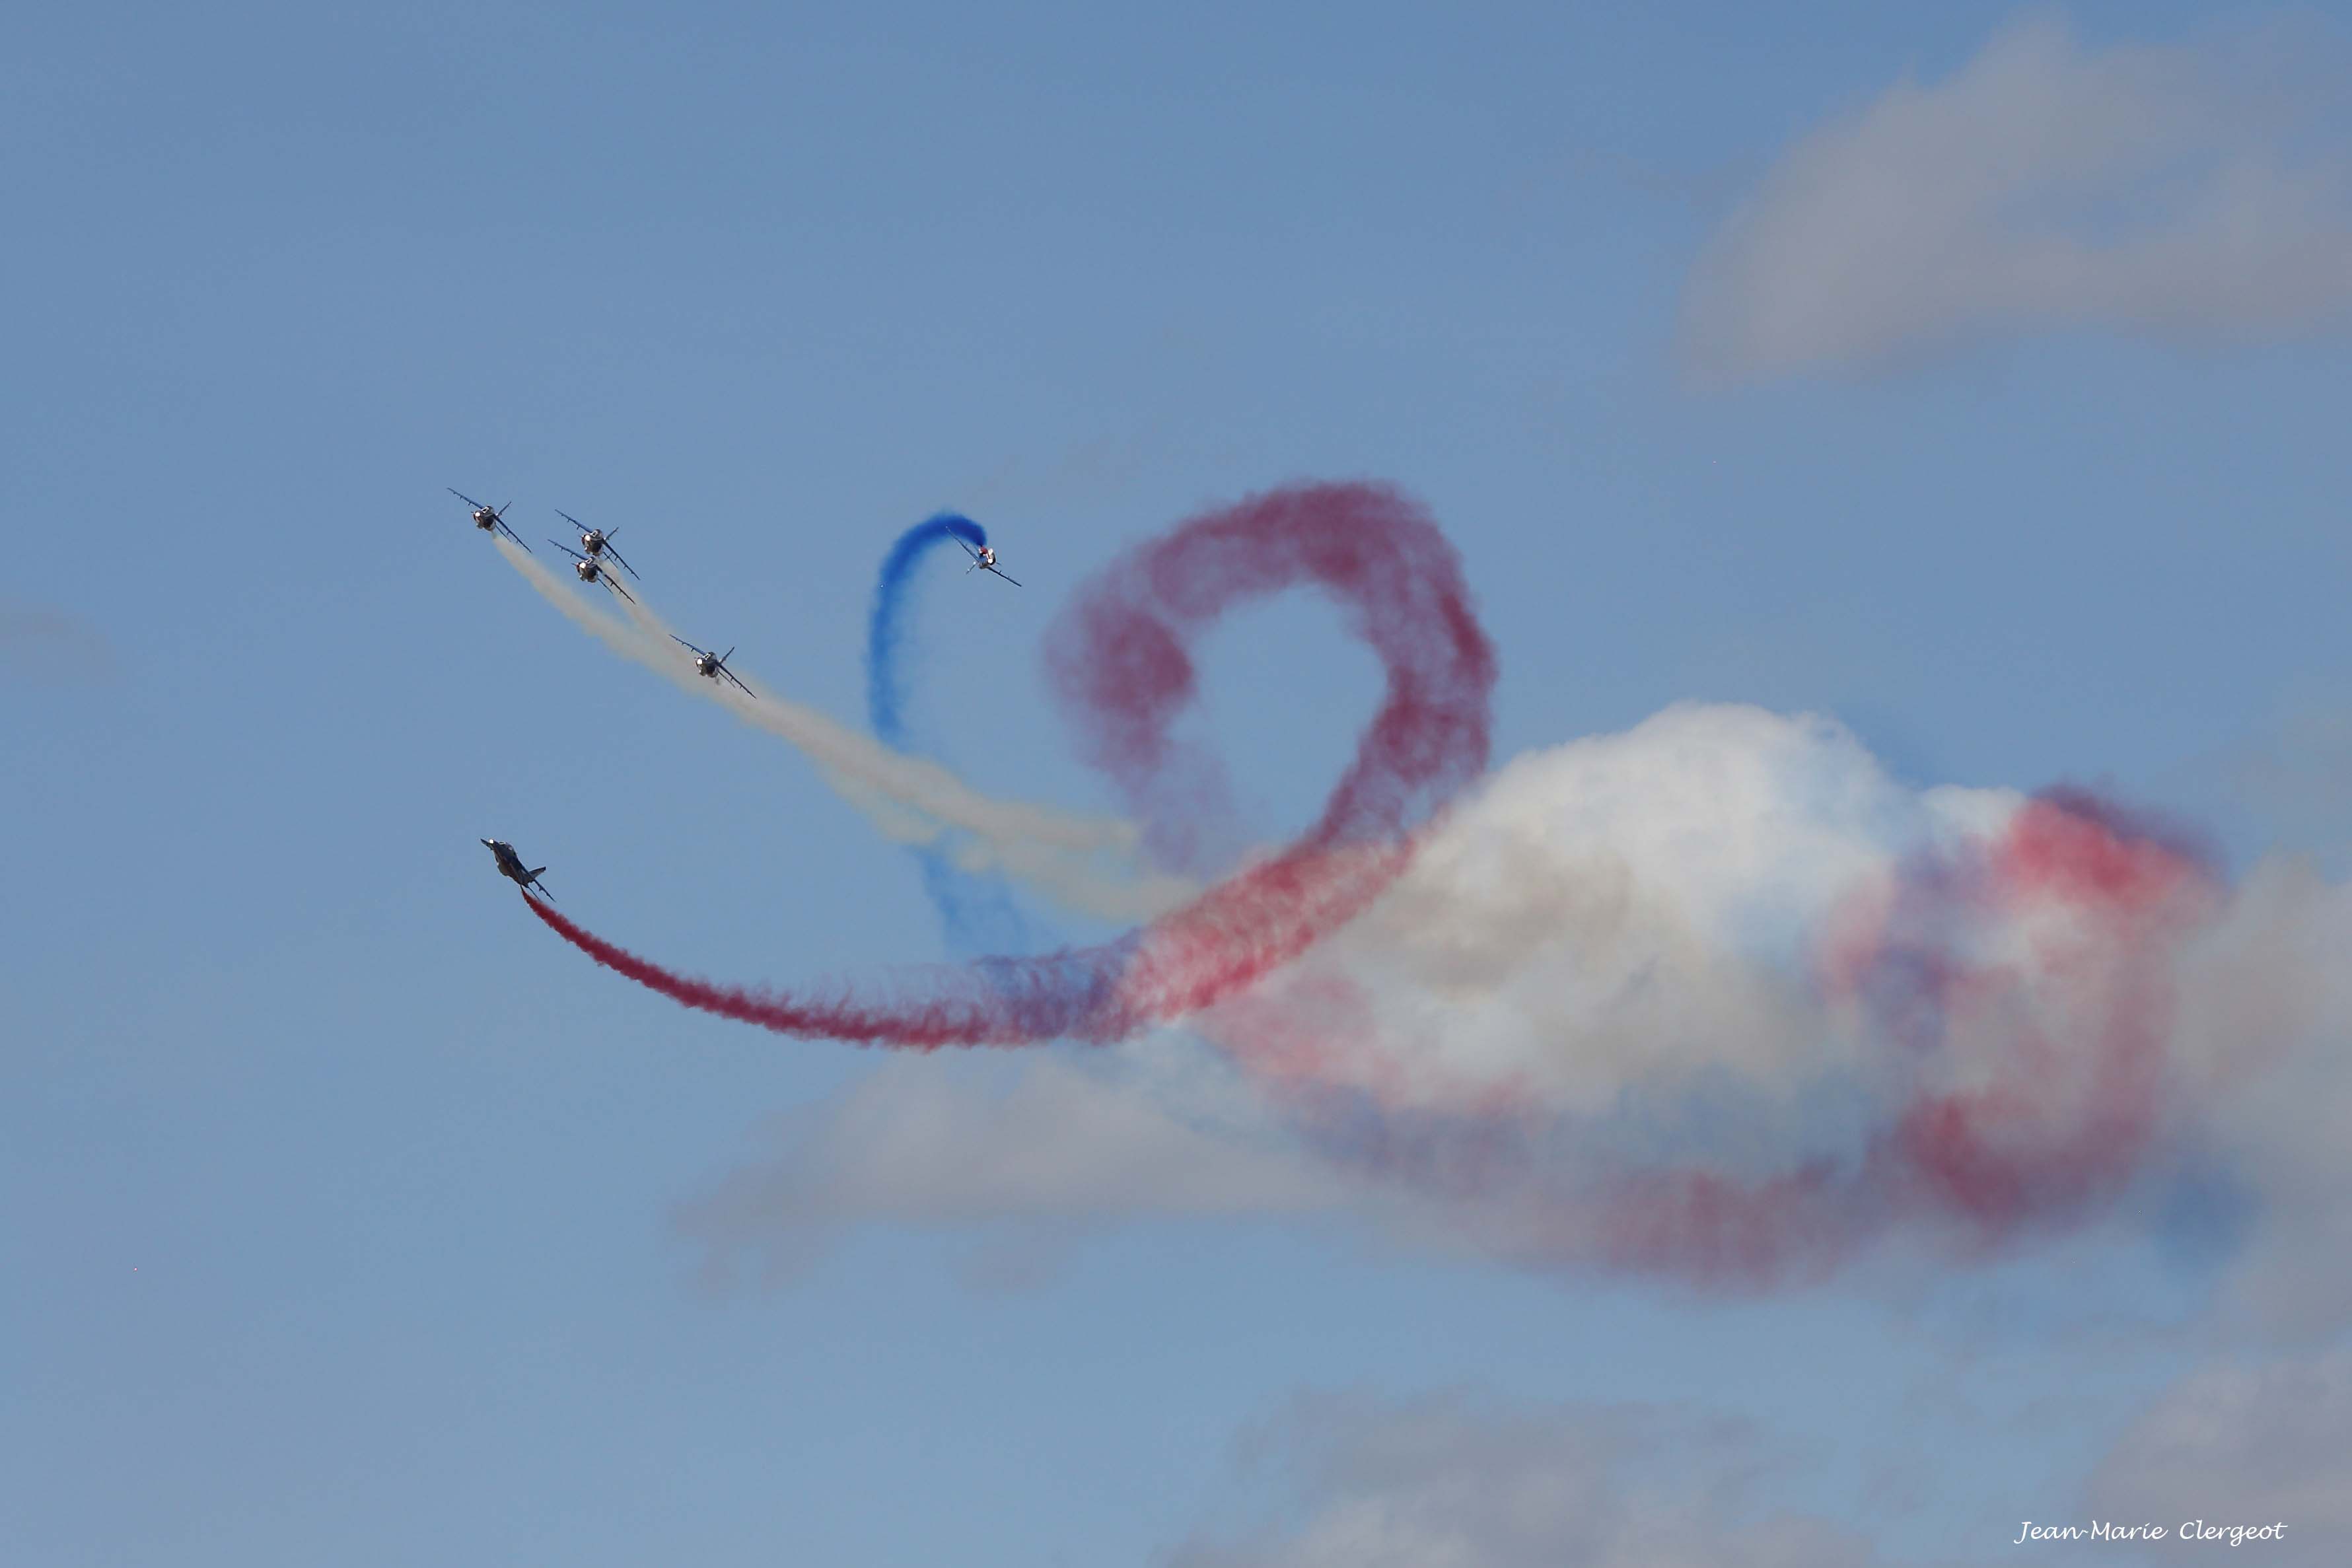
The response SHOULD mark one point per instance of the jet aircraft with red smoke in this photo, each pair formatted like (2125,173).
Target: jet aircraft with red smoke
(510,866)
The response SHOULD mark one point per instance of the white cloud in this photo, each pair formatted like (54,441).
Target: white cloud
(2162,189)
(928,1142)
(1632,913)
(1704,999)
(2242,1446)
(2273,1014)
(1450,1481)
(1462,1480)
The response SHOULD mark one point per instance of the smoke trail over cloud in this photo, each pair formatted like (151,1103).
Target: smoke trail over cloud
(1715,1000)
(1126,668)
(1084,862)
(977,909)
(1718,1001)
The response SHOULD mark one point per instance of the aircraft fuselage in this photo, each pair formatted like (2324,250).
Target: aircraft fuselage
(510,864)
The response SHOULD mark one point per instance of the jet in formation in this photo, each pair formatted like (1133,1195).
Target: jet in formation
(589,570)
(713,665)
(983,559)
(488,517)
(510,866)
(596,541)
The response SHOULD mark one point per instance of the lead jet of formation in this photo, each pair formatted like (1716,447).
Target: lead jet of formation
(510,866)
(984,560)
(713,665)
(596,541)
(589,571)
(489,517)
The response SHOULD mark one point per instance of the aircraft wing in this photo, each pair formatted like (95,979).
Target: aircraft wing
(1014,581)
(616,555)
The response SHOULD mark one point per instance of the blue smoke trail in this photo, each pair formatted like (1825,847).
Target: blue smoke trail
(978,913)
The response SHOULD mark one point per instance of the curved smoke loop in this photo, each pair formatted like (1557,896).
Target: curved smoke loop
(976,908)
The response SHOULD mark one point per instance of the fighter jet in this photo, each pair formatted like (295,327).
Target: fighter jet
(597,541)
(983,559)
(713,665)
(590,571)
(510,866)
(488,517)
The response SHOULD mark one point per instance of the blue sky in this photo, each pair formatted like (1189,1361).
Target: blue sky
(350,1217)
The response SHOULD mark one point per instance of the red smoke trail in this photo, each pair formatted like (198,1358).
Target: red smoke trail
(1118,658)
(1119,662)
(955,1012)
(2025,987)
(2038,972)
(2073,1101)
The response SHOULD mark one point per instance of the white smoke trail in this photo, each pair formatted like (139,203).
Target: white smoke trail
(1088,864)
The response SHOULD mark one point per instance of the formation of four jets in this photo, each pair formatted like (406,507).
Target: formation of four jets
(588,565)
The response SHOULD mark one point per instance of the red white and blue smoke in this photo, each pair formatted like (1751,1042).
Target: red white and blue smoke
(1715,999)
(1121,664)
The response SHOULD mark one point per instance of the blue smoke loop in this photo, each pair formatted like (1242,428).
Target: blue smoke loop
(977,911)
